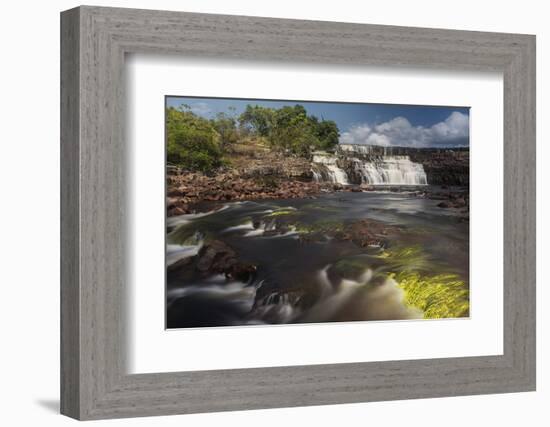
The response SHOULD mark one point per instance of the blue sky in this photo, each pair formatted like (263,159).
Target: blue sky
(374,124)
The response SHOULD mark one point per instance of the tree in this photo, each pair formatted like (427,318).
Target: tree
(226,126)
(290,128)
(192,142)
(328,134)
(257,119)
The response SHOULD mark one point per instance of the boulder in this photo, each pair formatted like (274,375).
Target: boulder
(217,257)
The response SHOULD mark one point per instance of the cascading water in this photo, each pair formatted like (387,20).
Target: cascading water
(328,169)
(390,170)
(361,164)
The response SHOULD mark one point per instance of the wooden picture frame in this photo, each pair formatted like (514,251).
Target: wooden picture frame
(94,382)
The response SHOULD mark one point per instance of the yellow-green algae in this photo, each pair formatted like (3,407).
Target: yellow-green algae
(321,226)
(439,296)
(442,295)
(281,212)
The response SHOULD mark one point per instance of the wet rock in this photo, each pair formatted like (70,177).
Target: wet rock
(363,233)
(444,205)
(367,187)
(241,271)
(217,257)
(175,210)
(182,263)
(459,202)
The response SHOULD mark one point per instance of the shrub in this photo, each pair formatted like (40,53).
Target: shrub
(192,142)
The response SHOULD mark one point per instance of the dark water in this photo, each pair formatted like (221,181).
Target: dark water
(305,273)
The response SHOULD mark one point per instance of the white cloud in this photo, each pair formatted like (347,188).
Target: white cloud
(453,131)
(378,139)
(356,133)
(200,108)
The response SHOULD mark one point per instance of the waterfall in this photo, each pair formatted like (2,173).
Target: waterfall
(390,170)
(364,164)
(363,149)
(328,169)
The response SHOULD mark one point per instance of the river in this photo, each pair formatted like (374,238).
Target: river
(310,267)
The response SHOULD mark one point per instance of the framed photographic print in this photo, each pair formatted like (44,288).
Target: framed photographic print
(346,211)
(305,212)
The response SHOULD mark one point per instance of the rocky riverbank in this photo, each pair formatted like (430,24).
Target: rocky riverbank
(255,172)
(186,191)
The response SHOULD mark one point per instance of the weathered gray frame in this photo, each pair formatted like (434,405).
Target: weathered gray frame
(94,41)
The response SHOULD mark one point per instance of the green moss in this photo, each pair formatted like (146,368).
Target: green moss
(440,296)
(409,258)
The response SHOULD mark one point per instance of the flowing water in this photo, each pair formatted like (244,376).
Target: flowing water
(326,168)
(359,165)
(390,170)
(306,271)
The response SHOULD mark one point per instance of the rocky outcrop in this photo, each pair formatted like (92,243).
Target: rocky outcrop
(444,166)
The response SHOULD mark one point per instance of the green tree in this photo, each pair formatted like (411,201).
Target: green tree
(328,133)
(192,142)
(292,130)
(257,119)
(226,126)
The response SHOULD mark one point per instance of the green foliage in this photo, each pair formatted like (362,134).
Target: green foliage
(257,119)
(327,133)
(226,126)
(192,142)
(198,144)
(290,128)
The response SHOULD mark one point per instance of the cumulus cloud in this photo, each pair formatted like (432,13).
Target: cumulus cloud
(453,131)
